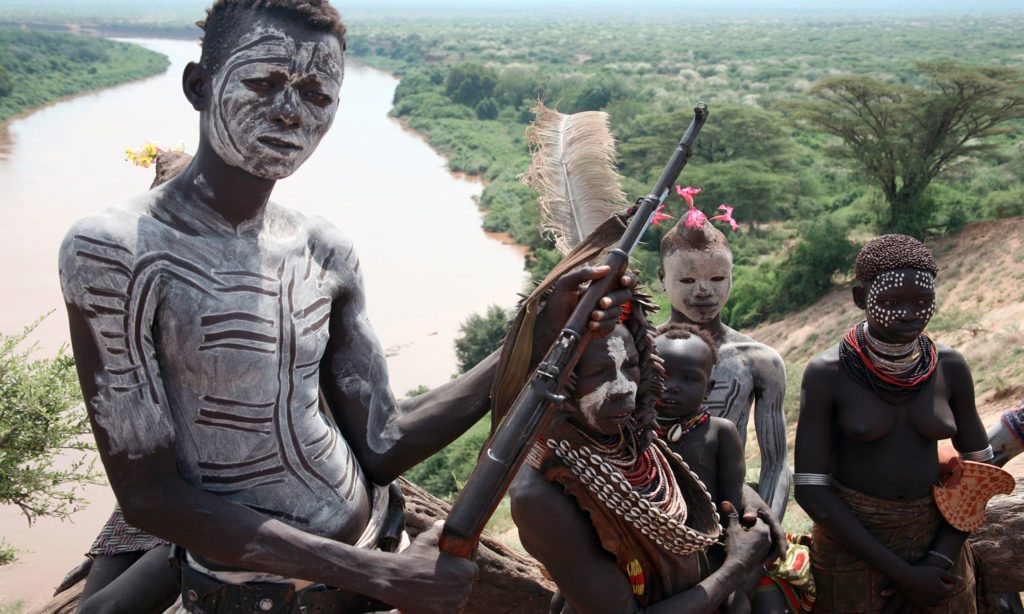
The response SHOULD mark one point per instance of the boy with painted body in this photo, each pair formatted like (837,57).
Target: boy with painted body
(696,274)
(214,331)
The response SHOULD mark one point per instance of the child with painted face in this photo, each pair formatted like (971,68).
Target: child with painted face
(621,524)
(872,411)
(749,377)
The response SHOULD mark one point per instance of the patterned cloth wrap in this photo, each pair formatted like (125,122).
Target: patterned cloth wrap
(119,537)
(847,584)
(1013,419)
(792,575)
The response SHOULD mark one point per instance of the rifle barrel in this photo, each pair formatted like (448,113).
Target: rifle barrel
(533,408)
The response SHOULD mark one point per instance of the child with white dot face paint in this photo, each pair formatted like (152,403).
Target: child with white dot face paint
(899,304)
(274,98)
(872,410)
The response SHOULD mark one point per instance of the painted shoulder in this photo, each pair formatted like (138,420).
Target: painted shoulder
(735,340)
(760,356)
(327,242)
(116,228)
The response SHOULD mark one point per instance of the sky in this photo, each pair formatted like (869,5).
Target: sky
(709,7)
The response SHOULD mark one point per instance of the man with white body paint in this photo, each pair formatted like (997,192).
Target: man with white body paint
(696,273)
(238,395)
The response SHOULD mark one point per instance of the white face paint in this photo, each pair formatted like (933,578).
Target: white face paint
(607,383)
(274,98)
(698,283)
(900,303)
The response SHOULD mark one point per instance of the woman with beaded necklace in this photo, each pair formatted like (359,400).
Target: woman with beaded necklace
(872,411)
(620,523)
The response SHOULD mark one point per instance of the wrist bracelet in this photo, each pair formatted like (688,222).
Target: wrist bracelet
(981,456)
(941,556)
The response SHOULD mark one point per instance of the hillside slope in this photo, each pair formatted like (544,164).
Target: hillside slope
(980,312)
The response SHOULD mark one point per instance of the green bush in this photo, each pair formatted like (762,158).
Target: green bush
(41,418)
(444,473)
(480,336)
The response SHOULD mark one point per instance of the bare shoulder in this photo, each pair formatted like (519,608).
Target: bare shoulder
(824,366)
(951,361)
(530,492)
(539,506)
(725,431)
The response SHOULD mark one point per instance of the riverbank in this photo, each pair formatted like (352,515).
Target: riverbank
(40,68)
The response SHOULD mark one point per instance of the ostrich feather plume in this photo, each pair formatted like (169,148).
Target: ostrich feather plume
(574,171)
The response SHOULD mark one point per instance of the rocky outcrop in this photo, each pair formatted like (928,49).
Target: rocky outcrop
(999,542)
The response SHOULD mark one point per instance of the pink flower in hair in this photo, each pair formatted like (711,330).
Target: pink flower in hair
(694,217)
(727,216)
(688,193)
(658,216)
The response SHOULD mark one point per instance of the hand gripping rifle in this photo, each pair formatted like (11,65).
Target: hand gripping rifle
(533,408)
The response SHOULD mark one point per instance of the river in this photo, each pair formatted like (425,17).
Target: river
(428,265)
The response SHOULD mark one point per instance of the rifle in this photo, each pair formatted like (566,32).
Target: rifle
(533,408)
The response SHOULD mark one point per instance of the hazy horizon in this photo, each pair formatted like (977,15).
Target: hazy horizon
(865,8)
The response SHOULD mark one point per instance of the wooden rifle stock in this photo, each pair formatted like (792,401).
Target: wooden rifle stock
(534,407)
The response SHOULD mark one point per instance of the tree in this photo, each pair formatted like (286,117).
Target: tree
(486,109)
(480,335)
(6,84)
(903,136)
(470,83)
(41,418)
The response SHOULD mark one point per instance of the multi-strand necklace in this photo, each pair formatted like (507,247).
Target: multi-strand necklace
(899,369)
(638,486)
(675,429)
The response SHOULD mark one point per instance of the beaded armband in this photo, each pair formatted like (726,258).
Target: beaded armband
(812,479)
(980,456)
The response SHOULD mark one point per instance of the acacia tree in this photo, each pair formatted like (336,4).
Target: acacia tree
(902,136)
(44,433)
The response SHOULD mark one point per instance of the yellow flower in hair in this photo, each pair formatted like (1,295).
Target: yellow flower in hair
(145,156)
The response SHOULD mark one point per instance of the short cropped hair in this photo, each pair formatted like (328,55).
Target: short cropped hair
(693,238)
(683,330)
(223,19)
(892,251)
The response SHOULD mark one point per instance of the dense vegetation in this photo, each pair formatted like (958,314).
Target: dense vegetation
(469,83)
(41,418)
(40,67)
